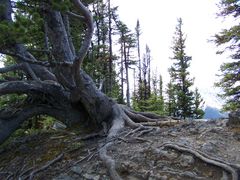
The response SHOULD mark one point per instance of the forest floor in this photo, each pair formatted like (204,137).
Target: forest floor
(188,150)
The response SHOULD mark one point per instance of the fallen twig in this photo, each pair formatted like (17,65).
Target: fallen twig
(32,174)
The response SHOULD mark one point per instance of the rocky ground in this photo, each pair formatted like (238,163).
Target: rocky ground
(188,150)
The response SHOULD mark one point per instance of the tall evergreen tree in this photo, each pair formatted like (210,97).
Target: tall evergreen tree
(161,103)
(146,71)
(140,84)
(127,42)
(230,40)
(180,75)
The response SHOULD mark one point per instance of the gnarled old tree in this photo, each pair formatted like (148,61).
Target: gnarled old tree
(58,86)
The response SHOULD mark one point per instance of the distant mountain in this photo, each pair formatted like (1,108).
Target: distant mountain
(213,113)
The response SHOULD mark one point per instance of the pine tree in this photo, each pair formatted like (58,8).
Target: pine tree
(229,39)
(146,71)
(127,42)
(180,75)
(171,103)
(198,103)
(161,98)
(140,84)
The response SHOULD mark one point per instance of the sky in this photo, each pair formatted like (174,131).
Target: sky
(158,19)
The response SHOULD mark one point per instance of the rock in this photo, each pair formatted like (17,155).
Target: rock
(184,141)
(91,176)
(166,154)
(209,147)
(194,131)
(77,169)
(234,119)
(236,136)
(163,178)
(216,130)
(186,160)
(224,176)
(58,125)
(63,177)
(154,177)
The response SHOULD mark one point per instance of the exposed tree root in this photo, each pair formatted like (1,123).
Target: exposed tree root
(183,174)
(207,159)
(161,123)
(123,116)
(10,174)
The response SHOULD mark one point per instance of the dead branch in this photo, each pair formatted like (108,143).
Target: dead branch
(156,116)
(72,14)
(34,172)
(14,67)
(139,117)
(161,123)
(87,41)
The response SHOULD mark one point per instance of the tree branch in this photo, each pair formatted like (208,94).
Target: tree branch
(67,27)
(72,14)
(30,87)
(87,41)
(32,60)
(22,66)
(14,67)
(7,127)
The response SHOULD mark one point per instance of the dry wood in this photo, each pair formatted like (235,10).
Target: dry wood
(34,172)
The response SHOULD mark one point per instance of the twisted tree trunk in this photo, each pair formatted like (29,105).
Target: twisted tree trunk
(59,87)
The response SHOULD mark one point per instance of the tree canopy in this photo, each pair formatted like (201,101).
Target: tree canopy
(228,40)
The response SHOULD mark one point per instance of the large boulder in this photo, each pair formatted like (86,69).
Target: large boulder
(234,119)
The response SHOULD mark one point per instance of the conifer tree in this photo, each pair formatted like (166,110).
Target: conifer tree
(127,42)
(198,103)
(171,103)
(140,83)
(180,75)
(230,72)
(161,98)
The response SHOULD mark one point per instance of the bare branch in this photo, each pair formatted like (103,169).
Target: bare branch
(67,27)
(32,60)
(13,122)
(59,157)
(88,36)
(14,67)
(76,16)
(22,66)
(39,50)
(31,72)
(29,87)
(22,58)
(46,39)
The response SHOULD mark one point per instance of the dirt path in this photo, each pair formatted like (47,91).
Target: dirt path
(189,150)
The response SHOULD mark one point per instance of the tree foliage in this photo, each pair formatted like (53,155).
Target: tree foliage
(180,76)
(230,71)
(198,103)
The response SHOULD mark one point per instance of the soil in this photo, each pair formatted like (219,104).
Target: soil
(172,152)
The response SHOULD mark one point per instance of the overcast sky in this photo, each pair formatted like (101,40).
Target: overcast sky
(158,19)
